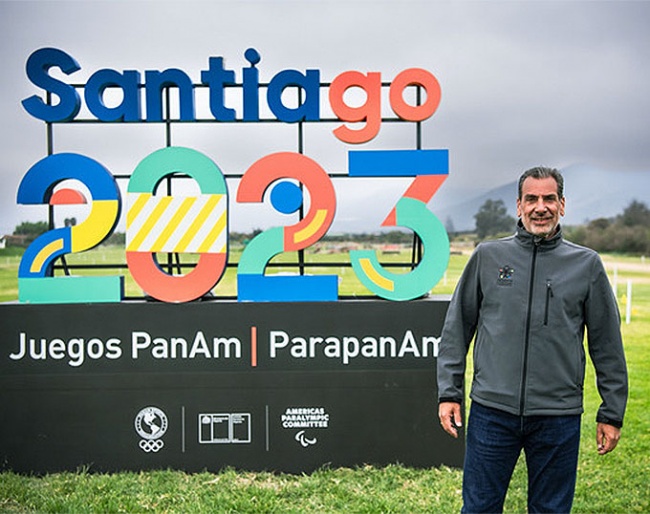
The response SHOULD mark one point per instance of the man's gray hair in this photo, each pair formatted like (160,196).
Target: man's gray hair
(543,172)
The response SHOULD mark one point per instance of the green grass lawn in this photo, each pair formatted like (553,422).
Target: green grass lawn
(349,284)
(613,483)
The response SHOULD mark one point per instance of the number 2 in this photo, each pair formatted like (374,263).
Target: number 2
(286,197)
(36,283)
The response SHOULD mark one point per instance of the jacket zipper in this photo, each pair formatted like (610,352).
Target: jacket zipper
(549,295)
(524,372)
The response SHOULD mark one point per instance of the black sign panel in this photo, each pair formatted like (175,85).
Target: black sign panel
(258,386)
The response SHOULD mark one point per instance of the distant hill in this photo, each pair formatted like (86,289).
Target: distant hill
(590,193)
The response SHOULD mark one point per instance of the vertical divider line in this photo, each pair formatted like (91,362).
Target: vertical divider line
(254,346)
(183,429)
(267,428)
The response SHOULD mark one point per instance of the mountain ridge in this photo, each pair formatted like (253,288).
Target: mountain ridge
(590,192)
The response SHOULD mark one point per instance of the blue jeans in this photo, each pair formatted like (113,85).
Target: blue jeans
(495,440)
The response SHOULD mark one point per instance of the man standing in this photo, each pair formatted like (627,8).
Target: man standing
(527,299)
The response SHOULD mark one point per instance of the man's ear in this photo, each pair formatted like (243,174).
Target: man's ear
(562,203)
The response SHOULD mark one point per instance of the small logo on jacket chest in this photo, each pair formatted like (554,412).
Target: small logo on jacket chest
(505,275)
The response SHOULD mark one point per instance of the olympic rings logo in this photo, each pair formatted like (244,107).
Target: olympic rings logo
(151,424)
(151,446)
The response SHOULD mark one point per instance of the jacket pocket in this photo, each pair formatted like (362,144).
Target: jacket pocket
(581,365)
(547,305)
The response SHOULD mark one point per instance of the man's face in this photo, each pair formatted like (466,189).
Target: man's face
(540,207)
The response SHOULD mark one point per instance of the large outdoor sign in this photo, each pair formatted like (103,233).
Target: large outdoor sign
(286,387)
(286,376)
(199,224)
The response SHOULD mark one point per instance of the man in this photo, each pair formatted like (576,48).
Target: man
(527,299)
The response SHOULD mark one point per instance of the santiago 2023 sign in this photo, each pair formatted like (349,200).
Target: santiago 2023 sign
(199,224)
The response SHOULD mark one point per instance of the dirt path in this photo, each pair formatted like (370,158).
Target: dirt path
(612,265)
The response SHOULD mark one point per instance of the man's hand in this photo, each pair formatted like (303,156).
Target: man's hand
(607,437)
(450,417)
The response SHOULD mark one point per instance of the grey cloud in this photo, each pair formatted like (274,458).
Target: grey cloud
(524,83)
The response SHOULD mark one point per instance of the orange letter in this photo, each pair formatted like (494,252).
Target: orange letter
(370,111)
(414,77)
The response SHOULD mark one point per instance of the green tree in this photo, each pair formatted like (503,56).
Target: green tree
(636,214)
(492,218)
(628,232)
(27,228)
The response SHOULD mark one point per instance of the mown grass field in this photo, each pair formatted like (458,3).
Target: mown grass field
(614,483)
(349,285)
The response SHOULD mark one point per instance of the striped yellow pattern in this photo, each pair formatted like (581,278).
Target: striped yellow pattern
(177,224)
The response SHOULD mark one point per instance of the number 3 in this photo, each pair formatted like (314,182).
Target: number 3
(430,168)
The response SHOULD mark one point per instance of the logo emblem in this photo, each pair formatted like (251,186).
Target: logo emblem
(304,440)
(225,428)
(505,275)
(304,418)
(151,424)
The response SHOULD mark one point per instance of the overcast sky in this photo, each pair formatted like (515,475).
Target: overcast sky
(523,83)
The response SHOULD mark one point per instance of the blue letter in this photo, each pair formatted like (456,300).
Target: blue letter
(156,81)
(251,86)
(215,77)
(37,67)
(128,81)
(309,109)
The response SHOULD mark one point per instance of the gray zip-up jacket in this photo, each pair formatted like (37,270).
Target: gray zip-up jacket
(528,300)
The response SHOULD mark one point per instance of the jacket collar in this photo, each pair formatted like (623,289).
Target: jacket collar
(527,239)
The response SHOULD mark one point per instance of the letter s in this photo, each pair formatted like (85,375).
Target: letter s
(113,348)
(37,67)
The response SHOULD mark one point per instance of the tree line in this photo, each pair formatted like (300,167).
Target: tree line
(31,230)
(628,232)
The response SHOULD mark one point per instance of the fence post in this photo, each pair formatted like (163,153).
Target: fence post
(628,306)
